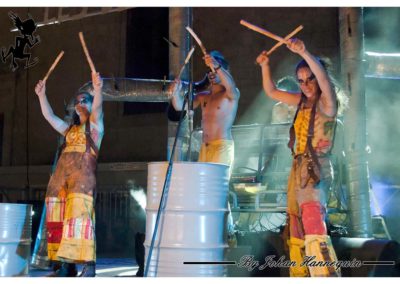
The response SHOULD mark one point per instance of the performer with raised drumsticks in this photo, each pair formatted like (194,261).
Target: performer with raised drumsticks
(311,141)
(70,193)
(218,105)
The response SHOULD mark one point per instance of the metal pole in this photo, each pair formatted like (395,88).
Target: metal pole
(352,51)
(179,18)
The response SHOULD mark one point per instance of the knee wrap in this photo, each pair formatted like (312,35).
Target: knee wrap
(320,249)
(312,217)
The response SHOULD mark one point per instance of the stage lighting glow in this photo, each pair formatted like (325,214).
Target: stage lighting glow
(381,195)
(378,54)
(139,196)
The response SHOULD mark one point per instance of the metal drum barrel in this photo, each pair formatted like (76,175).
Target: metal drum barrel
(192,226)
(15,239)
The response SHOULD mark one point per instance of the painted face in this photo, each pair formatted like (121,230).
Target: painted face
(83,104)
(307,81)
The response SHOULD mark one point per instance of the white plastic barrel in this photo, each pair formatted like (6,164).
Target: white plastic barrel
(192,226)
(15,239)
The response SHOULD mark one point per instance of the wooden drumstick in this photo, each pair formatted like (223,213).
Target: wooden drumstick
(289,36)
(202,47)
(186,62)
(53,66)
(264,32)
(87,52)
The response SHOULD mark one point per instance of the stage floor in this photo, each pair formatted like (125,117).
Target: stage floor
(105,267)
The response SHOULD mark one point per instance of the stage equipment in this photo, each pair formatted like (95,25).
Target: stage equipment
(380,258)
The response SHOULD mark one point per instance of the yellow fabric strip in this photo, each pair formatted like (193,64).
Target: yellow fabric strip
(78,241)
(296,252)
(77,250)
(52,250)
(78,205)
(78,148)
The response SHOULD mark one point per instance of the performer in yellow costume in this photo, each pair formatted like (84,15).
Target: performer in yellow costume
(311,139)
(70,193)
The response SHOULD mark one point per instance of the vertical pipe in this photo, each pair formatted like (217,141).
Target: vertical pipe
(179,18)
(352,51)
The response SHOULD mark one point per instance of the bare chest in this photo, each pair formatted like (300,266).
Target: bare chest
(214,103)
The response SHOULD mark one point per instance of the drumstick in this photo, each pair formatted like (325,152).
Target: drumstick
(186,62)
(264,32)
(53,66)
(203,49)
(87,52)
(289,36)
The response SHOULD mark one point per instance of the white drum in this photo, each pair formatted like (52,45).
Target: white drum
(15,239)
(192,226)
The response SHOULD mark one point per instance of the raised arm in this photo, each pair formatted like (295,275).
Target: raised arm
(269,86)
(328,95)
(177,99)
(96,116)
(226,78)
(57,123)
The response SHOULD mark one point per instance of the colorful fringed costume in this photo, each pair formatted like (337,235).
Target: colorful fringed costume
(70,198)
(308,185)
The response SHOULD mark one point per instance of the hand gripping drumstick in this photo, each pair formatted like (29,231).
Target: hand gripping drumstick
(203,49)
(264,32)
(289,36)
(53,66)
(87,52)
(186,62)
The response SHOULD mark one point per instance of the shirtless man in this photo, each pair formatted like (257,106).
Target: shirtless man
(218,106)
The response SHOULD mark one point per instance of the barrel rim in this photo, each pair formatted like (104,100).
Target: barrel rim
(15,204)
(175,209)
(182,248)
(187,163)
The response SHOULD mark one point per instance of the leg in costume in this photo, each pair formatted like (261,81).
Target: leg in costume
(78,240)
(72,209)
(55,206)
(311,200)
(296,234)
